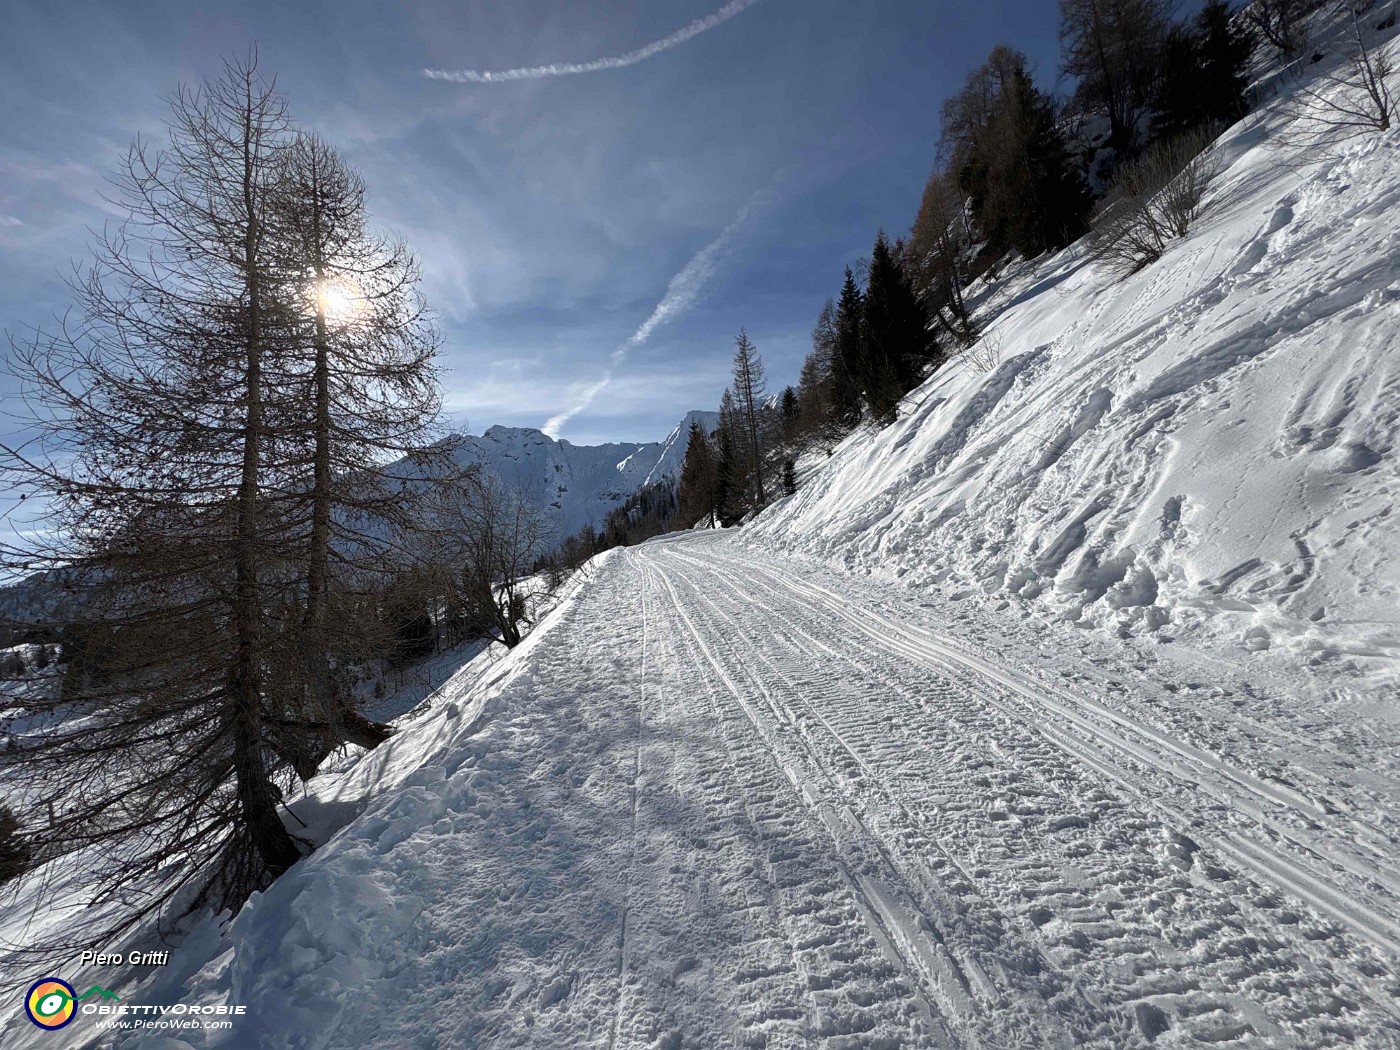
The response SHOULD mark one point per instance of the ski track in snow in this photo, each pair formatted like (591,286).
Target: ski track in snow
(737,799)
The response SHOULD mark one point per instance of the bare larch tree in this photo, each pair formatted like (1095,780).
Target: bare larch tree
(365,349)
(196,434)
(750,389)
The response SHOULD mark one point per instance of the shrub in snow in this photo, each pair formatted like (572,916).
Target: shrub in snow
(1353,99)
(984,355)
(1152,200)
(1281,22)
(14,853)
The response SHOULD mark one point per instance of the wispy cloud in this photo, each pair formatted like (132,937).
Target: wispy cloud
(10,220)
(631,58)
(683,292)
(686,288)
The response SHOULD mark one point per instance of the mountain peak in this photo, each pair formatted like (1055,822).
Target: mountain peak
(499,432)
(578,484)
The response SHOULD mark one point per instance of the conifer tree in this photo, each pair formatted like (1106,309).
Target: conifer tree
(897,342)
(699,482)
(161,451)
(815,388)
(787,409)
(365,351)
(199,442)
(1224,48)
(1057,200)
(848,366)
(1008,156)
(733,488)
(814,408)
(750,390)
(1203,76)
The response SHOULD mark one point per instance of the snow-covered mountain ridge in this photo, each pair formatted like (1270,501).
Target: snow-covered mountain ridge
(1204,451)
(578,484)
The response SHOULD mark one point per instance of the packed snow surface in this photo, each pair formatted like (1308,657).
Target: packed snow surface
(727,798)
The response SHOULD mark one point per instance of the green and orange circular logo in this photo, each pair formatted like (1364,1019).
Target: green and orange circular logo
(51,1003)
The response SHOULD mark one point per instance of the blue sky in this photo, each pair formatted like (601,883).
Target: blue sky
(719,182)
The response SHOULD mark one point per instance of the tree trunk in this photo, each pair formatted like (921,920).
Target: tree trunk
(318,667)
(256,794)
(325,700)
(757,453)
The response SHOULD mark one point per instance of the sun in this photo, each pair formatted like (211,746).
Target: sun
(338,300)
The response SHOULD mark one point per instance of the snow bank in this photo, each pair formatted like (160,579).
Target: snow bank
(1203,452)
(301,953)
(345,899)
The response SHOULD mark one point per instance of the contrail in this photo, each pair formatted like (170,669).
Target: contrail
(631,58)
(553,424)
(685,289)
(682,293)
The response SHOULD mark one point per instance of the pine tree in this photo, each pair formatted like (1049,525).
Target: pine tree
(1224,49)
(897,342)
(699,479)
(366,353)
(1203,77)
(1058,201)
(787,409)
(815,388)
(789,477)
(750,390)
(160,450)
(731,479)
(189,440)
(848,366)
(1009,157)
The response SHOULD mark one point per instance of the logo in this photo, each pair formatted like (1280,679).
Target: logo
(52,1003)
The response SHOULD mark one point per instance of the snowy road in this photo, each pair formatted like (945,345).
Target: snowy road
(1013,858)
(733,800)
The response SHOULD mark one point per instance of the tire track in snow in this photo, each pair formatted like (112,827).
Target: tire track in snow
(805,868)
(798,693)
(636,778)
(752,573)
(1373,921)
(1102,937)
(933,940)
(709,959)
(1367,917)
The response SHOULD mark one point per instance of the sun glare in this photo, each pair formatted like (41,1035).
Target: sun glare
(338,300)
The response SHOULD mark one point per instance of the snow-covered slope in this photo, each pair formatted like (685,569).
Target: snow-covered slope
(1205,451)
(578,483)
